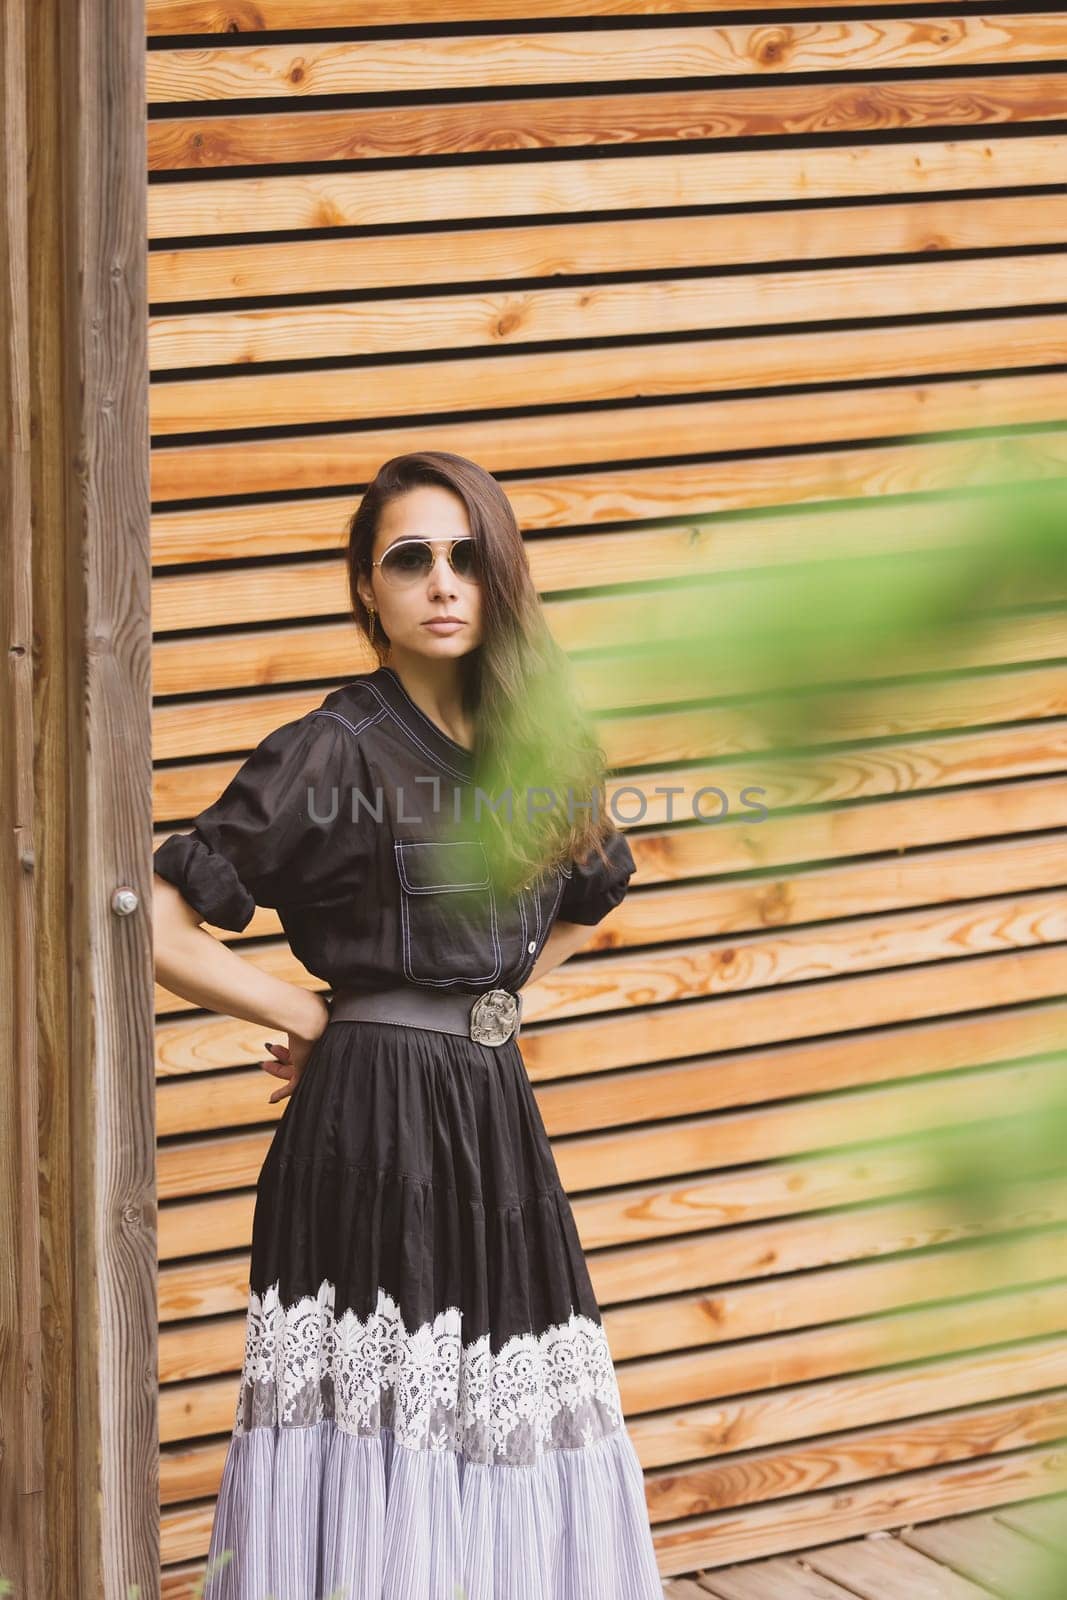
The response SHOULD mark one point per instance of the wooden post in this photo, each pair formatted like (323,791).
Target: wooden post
(78,1405)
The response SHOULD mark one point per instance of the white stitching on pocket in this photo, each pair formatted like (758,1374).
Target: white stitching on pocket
(407,890)
(400,845)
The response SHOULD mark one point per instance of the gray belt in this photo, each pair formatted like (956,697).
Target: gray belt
(490,1018)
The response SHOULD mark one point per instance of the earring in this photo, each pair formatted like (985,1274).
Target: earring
(373,615)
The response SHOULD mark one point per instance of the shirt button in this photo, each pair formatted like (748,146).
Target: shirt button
(532,946)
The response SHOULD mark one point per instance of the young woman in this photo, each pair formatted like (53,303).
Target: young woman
(428,1408)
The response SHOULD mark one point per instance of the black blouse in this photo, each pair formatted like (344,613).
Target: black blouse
(331,821)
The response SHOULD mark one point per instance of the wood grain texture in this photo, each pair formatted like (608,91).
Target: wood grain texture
(374,198)
(1042,1521)
(820,349)
(481,127)
(625,55)
(505,319)
(27,1542)
(815,1519)
(537,442)
(255,16)
(554,249)
(98,628)
(78,1392)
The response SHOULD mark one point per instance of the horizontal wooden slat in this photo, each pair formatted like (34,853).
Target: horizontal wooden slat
(855,1457)
(185,1534)
(835,355)
(898,824)
(833,834)
(839,1256)
(175,17)
(872,1000)
(652,1383)
(183,1582)
(480,61)
(482,127)
(508,318)
(679,663)
(608,495)
(662,620)
(809,1409)
(687,1090)
(816,1519)
(373,198)
(337,330)
(239,724)
(529,443)
(188,1226)
(723,1198)
(658,617)
(214,271)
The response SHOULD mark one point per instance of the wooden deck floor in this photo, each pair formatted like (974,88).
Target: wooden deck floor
(1018,1553)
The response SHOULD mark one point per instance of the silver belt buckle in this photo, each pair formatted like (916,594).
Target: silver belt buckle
(493,1016)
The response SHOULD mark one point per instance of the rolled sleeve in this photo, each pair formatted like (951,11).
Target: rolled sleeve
(258,843)
(596,887)
(207,880)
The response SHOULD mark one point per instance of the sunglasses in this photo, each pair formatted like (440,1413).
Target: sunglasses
(409,560)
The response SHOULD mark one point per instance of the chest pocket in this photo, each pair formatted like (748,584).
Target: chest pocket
(448,912)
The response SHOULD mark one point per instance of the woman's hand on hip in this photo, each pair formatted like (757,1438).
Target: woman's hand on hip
(289,1060)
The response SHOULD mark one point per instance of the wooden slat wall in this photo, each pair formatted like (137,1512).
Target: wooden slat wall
(607,248)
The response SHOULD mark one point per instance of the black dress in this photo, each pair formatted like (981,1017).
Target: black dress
(428,1408)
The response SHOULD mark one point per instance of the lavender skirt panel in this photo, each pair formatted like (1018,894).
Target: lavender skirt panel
(318,1513)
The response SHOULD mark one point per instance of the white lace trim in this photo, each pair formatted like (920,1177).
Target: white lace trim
(539,1392)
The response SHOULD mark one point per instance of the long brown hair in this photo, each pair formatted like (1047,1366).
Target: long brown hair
(531,730)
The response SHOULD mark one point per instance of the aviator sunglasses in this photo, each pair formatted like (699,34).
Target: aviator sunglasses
(409,560)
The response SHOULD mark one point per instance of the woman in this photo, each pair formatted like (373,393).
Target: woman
(428,1408)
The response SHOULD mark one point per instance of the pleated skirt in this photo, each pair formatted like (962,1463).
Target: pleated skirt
(427,1408)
